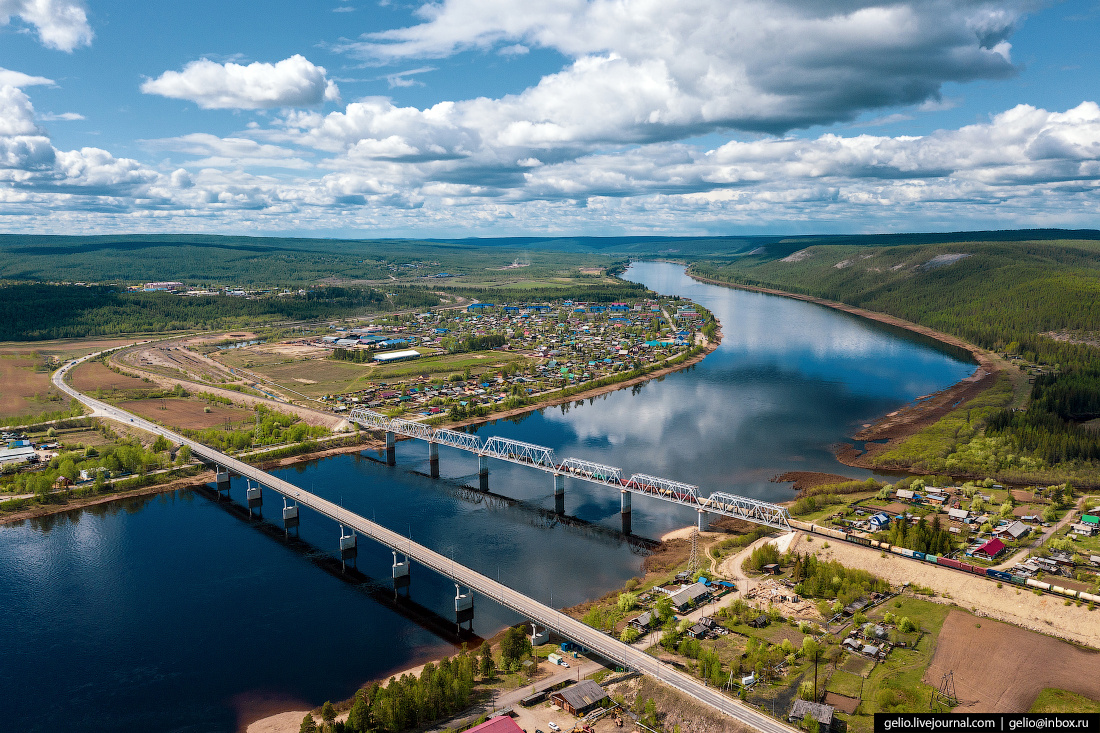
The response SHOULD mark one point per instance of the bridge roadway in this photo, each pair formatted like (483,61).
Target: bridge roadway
(604,645)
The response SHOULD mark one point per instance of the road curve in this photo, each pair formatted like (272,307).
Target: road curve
(601,643)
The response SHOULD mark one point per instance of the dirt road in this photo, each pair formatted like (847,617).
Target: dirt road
(1046,614)
(1043,537)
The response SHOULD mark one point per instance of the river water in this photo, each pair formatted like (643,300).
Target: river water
(171,613)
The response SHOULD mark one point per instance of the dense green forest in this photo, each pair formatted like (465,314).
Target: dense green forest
(251,262)
(1038,298)
(595,291)
(32,312)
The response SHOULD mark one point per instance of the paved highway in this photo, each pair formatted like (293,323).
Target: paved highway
(601,643)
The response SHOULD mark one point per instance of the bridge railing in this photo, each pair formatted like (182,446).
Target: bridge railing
(677,490)
(597,472)
(519,452)
(743,507)
(455,439)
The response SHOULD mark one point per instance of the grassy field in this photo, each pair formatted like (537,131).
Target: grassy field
(93,375)
(24,390)
(192,414)
(1060,701)
(845,683)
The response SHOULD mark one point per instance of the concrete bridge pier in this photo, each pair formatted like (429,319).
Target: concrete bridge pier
(254,495)
(539,637)
(290,517)
(464,607)
(221,480)
(391,448)
(483,472)
(559,493)
(401,577)
(624,499)
(348,548)
(433,458)
(703,521)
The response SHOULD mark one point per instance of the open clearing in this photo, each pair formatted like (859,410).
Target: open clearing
(20,383)
(1000,668)
(63,349)
(92,375)
(184,413)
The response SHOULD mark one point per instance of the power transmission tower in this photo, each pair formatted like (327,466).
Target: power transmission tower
(693,568)
(946,693)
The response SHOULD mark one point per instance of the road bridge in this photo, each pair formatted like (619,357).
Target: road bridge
(463,577)
(543,459)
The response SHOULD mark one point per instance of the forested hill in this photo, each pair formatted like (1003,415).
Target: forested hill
(31,312)
(200,259)
(1038,298)
(991,293)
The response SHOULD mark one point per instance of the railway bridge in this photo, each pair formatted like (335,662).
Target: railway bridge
(543,459)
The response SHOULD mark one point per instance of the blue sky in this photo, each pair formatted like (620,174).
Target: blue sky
(495,117)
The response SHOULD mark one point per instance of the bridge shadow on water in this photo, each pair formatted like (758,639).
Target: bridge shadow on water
(537,516)
(380,591)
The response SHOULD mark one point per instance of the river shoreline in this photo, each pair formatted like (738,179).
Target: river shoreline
(887,431)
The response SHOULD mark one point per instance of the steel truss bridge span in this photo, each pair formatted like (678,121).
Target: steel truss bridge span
(542,458)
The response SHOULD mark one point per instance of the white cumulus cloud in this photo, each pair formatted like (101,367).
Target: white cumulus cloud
(662,70)
(61,24)
(292,82)
(19,79)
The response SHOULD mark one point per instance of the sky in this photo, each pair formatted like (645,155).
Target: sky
(461,118)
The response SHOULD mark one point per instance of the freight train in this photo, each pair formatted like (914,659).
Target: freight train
(947,562)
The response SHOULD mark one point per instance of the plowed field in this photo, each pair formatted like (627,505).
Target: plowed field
(19,383)
(92,375)
(999,668)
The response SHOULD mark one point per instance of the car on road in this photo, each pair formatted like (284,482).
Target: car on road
(553,726)
(565,664)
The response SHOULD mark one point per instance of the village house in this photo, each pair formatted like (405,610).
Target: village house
(820,712)
(580,699)
(1013,531)
(991,550)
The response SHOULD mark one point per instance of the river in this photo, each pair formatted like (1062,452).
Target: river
(171,613)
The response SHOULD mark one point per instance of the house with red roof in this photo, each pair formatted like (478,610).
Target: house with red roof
(991,550)
(499,724)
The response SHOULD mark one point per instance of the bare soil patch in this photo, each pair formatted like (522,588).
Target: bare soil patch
(677,710)
(1000,668)
(892,508)
(93,375)
(184,413)
(20,384)
(843,703)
